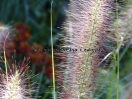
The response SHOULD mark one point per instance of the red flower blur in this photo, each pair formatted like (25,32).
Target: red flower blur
(36,57)
(22,48)
(24,33)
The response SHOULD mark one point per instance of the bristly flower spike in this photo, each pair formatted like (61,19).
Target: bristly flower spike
(18,85)
(15,81)
(86,33)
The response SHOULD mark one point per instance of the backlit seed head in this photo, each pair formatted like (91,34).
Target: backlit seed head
(17,84)
(86,29)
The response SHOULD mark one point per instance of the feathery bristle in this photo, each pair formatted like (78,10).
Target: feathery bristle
(86,30)
(18,85)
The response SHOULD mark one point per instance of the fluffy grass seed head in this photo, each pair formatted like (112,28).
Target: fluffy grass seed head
(84,41)
(18,85)
(6,34)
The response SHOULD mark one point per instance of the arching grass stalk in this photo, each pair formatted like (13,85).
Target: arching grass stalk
(5,60)
(53,67)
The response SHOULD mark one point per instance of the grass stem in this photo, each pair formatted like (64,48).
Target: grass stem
(53,68)
(5,60)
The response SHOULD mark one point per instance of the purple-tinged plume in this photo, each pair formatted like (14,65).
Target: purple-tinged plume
(86,28)
(17,84)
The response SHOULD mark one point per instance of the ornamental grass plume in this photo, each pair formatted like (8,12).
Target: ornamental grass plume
(86,29)
(125,20)
(15,82)
(16,85)
(6,35)
(4,31)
